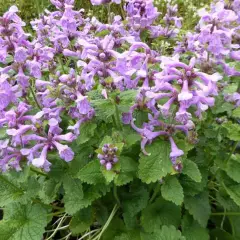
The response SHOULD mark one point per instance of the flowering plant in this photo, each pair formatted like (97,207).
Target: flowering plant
(105,135)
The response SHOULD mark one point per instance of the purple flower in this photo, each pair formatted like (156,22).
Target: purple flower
(65,152)
(175,151)
(39,162)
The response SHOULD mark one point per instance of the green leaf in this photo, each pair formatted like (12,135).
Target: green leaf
(104,108)
(172,190)
(81,221)
(130,136)
(233,131)
(127,98)
(199,207)
(233,170)
(23,222)
(86,132)
(160,213)
(73,194)
(91,173)
(49,190)
(91,193)
(134,202)
(123,236)
(192,229)
(234,193)
(166,233)
(8,191)
(3,134)
(156,166)
(221,234)
(127,172)
(102,33)
(190,187)
(236,113)
(191,170)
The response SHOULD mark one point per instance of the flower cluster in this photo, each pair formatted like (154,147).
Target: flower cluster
(108,157)
(49,77)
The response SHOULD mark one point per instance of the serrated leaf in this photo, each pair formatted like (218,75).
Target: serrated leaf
(81,221)
(233,131)
(160,213)
(191,170)
(134,202)
(86,132)
(233,170)
(8,191)
(166,233)
(156,166)
(199,207)
(128,171)
(234,193)
(192,229)
(23,222)
(127,98)
(236,113)
(106,140)
(221,234)
(104,108)
(49,190)
(172,190)
(91,173)
(190,187)
(109,175)
(91,193)
(73,194)
(123,236)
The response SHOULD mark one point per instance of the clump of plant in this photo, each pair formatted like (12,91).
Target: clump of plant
(105,135)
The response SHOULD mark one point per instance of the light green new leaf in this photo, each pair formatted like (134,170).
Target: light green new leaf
(199,207)
(23,222)
(172,190)
(157,165)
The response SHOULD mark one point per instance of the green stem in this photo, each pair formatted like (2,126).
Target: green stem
(38,172)
(107,223)
(47,205)
(233,150)
(61,63)
(116,195)
(122,11)
(226,214)
(56,213)
(35,99)
(155,193)
(114,121)
(118,120)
